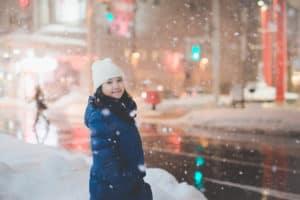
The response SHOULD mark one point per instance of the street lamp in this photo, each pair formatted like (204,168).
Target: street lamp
(135,56)
(203,63)
(260,3)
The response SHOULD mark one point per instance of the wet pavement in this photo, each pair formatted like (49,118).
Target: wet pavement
(222,165)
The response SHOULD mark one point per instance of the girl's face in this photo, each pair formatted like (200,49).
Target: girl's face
(114,87)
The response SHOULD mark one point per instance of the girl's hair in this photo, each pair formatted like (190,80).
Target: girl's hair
(99,98)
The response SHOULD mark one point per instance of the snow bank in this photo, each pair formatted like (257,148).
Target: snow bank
(35,172)
(165,186)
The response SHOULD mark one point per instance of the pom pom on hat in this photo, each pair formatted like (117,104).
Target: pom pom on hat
(102,70)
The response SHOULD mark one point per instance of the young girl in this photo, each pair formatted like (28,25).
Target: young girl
(118,159)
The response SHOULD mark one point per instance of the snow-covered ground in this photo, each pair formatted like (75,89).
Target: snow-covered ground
(35,172)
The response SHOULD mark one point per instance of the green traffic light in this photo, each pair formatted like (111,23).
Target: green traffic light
(109,17)
(198,178)
(199,161)
(196,51)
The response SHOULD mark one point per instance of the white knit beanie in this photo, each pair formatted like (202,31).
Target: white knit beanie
(102,70)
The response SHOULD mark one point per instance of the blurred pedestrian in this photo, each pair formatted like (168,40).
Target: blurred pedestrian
(39,99)
(118,167)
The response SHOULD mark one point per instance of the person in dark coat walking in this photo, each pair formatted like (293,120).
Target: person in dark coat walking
(118,167)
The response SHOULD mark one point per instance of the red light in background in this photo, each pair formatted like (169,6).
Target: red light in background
(173,60)
(23,3)
(175,141)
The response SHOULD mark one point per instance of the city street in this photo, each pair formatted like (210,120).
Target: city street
(232,164)
(213,85)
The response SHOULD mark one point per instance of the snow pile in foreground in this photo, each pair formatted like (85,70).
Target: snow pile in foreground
(35,172)
(165,186)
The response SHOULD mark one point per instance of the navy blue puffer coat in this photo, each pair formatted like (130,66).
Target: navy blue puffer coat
(117,171)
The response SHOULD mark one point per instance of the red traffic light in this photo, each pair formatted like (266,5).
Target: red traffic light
(23,3)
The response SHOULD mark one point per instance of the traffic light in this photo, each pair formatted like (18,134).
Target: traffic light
(198,178)
(196,52)
(198,175)
(110,16)
(199,161)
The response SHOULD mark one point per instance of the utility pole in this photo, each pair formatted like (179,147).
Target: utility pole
(216,49)
(134,55)
(244,52)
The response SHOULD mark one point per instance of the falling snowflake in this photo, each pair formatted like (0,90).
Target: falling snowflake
(95,152)
(274,168)
(179,139)
(164,130)
(132,113)
(187,5)
(142,168)
(236,34)
(105,112)
(94,142)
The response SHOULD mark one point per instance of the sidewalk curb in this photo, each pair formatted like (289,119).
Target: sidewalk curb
(291,133)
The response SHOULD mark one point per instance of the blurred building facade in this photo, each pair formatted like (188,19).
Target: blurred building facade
(164,32)
(151,39)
